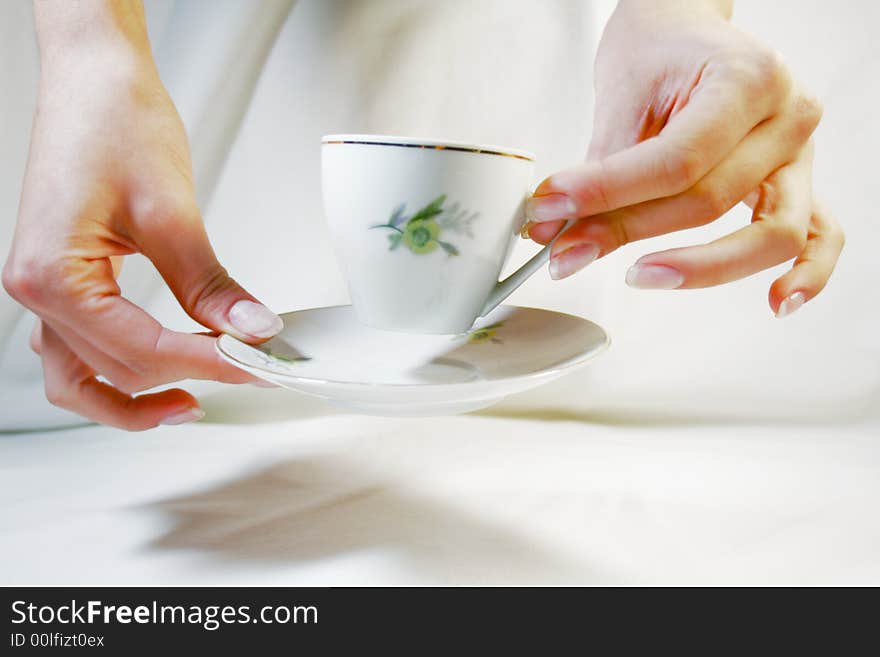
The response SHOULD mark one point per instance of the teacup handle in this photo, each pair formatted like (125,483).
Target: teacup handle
(505,288)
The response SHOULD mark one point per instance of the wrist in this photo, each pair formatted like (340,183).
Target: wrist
(99,32)
(712,8)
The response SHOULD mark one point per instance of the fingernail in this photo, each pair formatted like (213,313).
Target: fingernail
(572,259)
(552,207)
(524,231)
(182,417)
(254,319)
(654,277)
(790,304)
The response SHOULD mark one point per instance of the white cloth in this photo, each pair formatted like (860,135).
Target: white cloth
(406,67)
(711,444)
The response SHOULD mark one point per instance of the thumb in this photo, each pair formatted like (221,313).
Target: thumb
(178,246)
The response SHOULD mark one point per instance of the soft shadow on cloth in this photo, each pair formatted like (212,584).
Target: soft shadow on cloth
(249,405)
(647,418)
(246,404)
(305,510)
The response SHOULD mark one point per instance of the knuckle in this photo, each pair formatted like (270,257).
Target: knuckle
(682,168)
(139,367)
(25,280)
(595,186)
(129,382)
(808,112)
(838,236)
(13,281)
(768,71)
(205,292)
(712,201)
(142,369)
(609,231)
(36,281)
(617,231)
(147,363)
(757,72)
(789,238)
(158,212)
(56,394)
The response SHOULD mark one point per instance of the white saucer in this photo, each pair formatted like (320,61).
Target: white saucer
(325,352)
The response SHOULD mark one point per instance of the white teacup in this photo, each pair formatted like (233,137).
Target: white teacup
(422,228)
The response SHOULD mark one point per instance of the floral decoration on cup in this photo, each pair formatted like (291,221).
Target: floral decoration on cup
(422,232)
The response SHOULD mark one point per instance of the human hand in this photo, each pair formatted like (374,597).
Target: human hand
(692,117)
(108,175)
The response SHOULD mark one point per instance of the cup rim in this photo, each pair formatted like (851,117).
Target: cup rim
(419,142)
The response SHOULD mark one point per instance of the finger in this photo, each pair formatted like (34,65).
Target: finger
(97,361)
(778,232)
(719,113)
(813,267)
(766,148)
(183,366)
(544,232)
(174,239)
(83,294)
(72,385)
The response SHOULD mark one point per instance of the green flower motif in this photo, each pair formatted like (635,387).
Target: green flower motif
(421,232)
(289,357)
(485,334)
(421,236)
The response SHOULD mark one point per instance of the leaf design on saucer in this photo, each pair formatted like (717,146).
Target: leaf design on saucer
(421,233)
(485,334)
(283,355)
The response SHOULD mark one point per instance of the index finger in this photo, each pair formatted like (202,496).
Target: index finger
(128,334)
(716,117)
(72,385)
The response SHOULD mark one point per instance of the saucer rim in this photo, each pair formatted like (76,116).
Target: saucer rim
(551,372)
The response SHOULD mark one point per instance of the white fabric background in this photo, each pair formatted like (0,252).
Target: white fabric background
(713,443)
